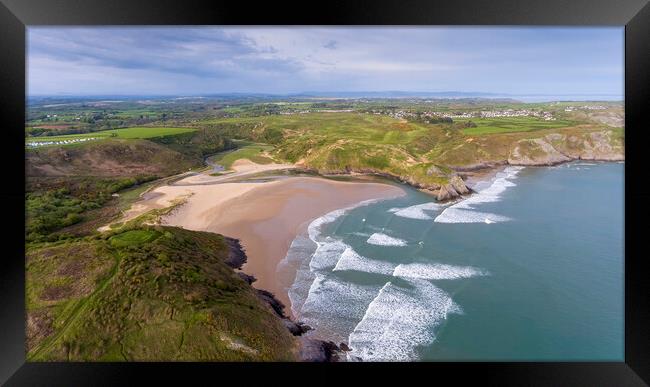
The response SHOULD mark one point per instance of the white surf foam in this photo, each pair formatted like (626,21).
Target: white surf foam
(351,260)
(329,249)
(457,215)
(327,255)
(333,307)
(315,226)
(319,256)
(398,320)
(385,240)
(464,211)
(436,271)
(416,211)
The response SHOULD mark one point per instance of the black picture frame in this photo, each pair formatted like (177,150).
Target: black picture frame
(15,15)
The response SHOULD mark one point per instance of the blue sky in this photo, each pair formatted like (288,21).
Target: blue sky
(280,60)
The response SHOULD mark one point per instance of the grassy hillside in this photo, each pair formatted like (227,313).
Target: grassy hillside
(72,189)
(146,294)
(337,142)
(111,157)
(423,154)
(196,144)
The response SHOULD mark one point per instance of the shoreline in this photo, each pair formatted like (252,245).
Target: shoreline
(256,213)
(266,217)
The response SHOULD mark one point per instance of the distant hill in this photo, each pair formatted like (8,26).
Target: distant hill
(399,94)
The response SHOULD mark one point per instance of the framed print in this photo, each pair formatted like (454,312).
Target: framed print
(217,187)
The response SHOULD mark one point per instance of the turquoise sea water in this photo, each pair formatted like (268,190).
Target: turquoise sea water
(529,268)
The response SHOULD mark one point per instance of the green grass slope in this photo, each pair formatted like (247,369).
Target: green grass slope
(196,144)
(422,154)
(146,294)
(112,157)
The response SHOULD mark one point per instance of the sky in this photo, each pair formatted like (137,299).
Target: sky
(285,60)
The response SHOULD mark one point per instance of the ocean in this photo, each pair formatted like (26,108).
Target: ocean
(528,268)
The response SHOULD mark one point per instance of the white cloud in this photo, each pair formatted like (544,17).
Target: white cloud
(283,59)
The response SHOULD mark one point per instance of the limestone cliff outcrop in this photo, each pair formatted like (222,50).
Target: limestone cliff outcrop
(557,148)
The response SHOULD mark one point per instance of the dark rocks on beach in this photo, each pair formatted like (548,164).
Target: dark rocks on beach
(236,255)
(446,192)
(296,328)
(304,327)
(344,347)
(331,350)
(269,298)
(249,279)
(313,350)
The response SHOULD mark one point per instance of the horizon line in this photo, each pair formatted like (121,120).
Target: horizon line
(323,93)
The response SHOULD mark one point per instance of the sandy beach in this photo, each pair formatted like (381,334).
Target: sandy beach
(264,215)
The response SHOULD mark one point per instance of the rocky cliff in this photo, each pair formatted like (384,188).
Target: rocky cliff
(556,148)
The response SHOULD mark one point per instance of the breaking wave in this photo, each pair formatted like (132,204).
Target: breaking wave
(315,256)
(386,322)
(436,271)
(398,320)
(350,260)
(417,211)
(385,240)
(457,215)
(333,306)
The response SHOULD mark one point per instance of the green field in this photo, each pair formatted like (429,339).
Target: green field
(124,133)
(251,151)
(352,126)
(510,124)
